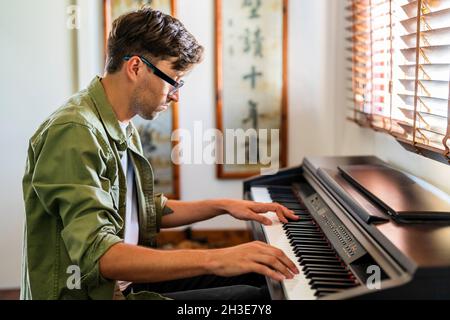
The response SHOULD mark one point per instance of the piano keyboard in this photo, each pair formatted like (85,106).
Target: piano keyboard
(322,272)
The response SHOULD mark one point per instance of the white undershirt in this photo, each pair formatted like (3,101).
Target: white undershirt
(131,214)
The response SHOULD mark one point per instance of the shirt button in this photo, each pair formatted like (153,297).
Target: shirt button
(123,146)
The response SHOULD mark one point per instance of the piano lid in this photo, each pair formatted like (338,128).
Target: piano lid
(422,245)
(401,195)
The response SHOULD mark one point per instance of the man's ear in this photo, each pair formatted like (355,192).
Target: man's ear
(132,68)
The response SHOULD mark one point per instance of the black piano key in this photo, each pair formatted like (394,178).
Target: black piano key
(324,247)
(303,217)
(297,237)
(325,292)
(279,188)
(302,222)
(294,206)
(320,260)
(301,238)
(308,232)
(311,256)
(331,285)
(326,274)
(295,226)
(304,232)
(306,240)
(314,246)
(315,253)
(310,241)
(302,227)
(343,280)
(317,261)
(302,213)
(300,234)
(285,199)
(320,267)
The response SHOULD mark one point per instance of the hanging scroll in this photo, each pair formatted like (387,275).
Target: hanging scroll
(251,45)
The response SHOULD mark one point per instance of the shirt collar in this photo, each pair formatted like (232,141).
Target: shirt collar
(106,112)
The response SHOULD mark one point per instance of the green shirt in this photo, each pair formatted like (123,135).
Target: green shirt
(75,193)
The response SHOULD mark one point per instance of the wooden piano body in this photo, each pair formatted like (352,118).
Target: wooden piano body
(380,257)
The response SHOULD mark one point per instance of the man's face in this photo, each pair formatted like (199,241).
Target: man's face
(151,95)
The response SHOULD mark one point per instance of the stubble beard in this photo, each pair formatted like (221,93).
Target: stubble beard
(139,107)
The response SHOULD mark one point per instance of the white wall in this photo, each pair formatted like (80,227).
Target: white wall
(198,181)
(36,67)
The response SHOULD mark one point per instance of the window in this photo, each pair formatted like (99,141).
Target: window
(400,65)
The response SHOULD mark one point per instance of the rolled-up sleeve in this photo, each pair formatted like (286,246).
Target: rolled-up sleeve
(71,182)
(161,208)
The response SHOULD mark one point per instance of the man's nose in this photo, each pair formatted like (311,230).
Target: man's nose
(174,96)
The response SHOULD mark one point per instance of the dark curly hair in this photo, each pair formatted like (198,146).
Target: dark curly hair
(151,33)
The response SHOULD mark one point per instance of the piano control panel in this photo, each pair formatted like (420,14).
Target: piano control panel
(345,244)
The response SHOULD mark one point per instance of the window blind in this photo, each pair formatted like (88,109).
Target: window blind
(400,63)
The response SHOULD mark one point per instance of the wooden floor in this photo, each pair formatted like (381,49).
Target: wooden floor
(184,239)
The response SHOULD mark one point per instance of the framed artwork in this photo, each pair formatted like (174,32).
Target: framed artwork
(156,134)
(251,83)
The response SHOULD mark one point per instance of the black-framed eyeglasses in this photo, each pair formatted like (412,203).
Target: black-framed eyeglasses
(176,85)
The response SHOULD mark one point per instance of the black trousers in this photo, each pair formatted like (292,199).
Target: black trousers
(245,287)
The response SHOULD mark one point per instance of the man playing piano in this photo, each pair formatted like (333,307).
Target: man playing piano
(91,214)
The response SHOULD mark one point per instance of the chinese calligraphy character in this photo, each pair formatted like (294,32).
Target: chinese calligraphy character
(254,5)
(257,42)
(253,115)
(252,145)
(252,76)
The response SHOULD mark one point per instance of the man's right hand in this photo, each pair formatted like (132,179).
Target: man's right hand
(254,256)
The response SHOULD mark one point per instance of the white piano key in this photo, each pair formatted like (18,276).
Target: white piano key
(298,287)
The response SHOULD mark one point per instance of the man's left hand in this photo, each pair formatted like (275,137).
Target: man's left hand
(250,210)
